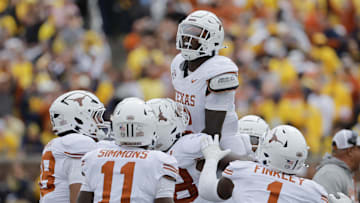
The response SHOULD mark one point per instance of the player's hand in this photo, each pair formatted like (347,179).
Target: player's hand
(210,148)
(342,198)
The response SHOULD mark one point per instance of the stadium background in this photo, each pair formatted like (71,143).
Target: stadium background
(299,63)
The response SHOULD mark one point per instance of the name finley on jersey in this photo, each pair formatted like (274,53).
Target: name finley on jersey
(280,175)
(123,154)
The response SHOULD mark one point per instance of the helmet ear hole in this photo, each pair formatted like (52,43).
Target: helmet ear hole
(78,121)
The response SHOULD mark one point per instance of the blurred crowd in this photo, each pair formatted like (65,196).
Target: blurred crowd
(299,61)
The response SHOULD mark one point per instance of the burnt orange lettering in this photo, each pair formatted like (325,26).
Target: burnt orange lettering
(283,176)
(144,154)
(112,153)
(263,171)
(101,153)
(128,154)
(182,98)
(256,168)
(268,172)
(291,180)
(118,153)
(192,100)
(277,174)
(136,154)
(301,181)
(187,100)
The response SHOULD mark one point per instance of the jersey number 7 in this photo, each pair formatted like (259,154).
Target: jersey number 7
(128,171)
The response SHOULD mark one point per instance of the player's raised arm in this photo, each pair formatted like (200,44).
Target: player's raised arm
(210,187)
(213,122)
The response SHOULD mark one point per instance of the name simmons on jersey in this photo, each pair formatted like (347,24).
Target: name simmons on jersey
(185,99)
(123,154)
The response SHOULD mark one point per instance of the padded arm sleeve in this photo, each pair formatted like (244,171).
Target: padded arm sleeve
(165,188)
(208,182)
(86,173)
(74,170)
(222,101)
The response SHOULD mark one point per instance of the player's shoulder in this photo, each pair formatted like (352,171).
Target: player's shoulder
(237,169)
(218,65)
(106,144)
(238,165)
(193,138)
(314,187)
(188,144)
(165,164)
(75,145)
(162,157)
(178,59)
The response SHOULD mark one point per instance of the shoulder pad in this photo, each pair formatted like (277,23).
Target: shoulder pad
(218,65)
(188,148)
(223,82)
(77,145)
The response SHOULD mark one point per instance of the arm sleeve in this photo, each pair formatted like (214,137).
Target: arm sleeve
(168,166)
(165,188)
(221,101)
(85,172)
(73,167)
(208,182)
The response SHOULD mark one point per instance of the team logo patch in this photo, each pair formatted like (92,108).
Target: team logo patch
(161,116)
(79,100)
(275,139)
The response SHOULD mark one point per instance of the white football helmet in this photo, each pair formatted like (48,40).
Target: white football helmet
(171,121)
(204,27)
(134,124)
(254,126)
(79,111)
(284,149)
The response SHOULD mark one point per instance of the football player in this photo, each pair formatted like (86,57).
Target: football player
(204,81)
(172,120)
(129,172)
(282,153)
(251,129)
(77,118)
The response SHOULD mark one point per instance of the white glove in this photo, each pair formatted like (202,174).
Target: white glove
(343,198)
(211,150)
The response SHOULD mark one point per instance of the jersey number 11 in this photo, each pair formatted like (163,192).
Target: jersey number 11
(128,171)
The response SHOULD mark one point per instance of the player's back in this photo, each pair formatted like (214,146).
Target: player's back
(257,183)
(55,166)
(187,151)
(126,173)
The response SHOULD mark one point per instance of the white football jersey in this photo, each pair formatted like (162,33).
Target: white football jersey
(257,183)
(54,175)
(191,91)
(121,173)
(187,150)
